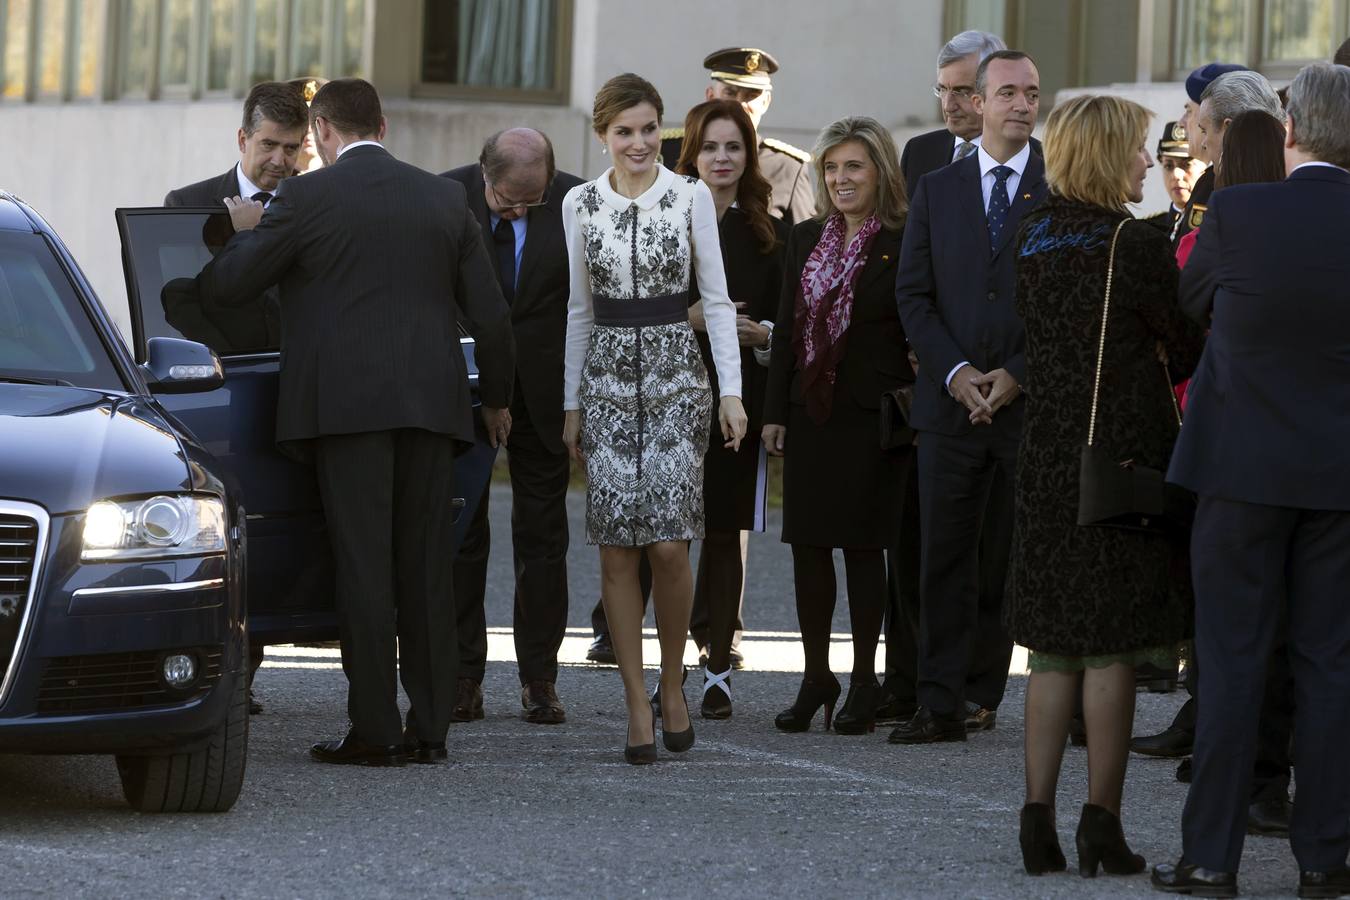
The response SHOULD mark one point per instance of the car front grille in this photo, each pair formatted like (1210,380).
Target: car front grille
(117,681)
(18,555)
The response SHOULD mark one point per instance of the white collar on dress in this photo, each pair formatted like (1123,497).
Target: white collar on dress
(649,198)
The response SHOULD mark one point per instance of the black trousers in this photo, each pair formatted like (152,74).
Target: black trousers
(965,516)
(387,498)
(1249,562)
(539,548)
(902,595)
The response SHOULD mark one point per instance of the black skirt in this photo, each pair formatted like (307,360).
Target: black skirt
(840,489)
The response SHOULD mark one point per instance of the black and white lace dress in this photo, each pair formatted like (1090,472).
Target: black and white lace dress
(633,366)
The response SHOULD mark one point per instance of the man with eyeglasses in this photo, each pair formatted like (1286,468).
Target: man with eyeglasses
(516,193)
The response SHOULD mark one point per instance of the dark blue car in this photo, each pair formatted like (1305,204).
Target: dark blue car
(150,532)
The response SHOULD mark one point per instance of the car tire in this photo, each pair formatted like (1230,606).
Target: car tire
(205,780)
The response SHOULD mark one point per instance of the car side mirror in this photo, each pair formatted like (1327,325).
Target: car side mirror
(176,366)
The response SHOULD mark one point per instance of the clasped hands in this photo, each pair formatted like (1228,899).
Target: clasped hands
(983,393)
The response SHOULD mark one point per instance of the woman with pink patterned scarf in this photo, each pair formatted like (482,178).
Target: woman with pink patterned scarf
(838,346)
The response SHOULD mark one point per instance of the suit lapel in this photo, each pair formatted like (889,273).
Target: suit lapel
(972,199)
(478,204)
(881,258)
(1030,191)
(543,230)
(228,185)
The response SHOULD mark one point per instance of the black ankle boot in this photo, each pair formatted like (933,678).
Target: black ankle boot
(859,715)
(1101,840)
(811,696)
(1040,842)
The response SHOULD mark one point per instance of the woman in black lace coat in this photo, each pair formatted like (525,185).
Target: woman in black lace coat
(1091,603)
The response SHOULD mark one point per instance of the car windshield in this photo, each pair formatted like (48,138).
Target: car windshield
(46,335)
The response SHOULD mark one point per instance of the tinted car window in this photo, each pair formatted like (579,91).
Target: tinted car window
(170,248)
(45,332)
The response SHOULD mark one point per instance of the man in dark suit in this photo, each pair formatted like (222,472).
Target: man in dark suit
(957,63)
(1264,447)
(276,120)
(515,193)
(955,294)
(377,262)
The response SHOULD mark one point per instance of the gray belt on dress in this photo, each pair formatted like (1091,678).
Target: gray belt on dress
(632,312)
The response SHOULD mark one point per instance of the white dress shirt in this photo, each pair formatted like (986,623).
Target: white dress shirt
(956,144)
(1316,162)
(1018,164)
(345,147)
(247,188)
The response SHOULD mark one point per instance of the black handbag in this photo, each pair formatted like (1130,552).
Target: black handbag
(1121,493)
(895,406)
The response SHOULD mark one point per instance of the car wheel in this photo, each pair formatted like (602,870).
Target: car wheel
(205,780)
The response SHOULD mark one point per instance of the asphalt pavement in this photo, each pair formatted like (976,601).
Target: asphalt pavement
(536,811)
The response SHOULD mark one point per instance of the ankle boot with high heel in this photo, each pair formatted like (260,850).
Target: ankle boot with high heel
(679,741)
(641,754)
(716,695)
(1101,841)
(1040,842)
(859,715)
(811,696)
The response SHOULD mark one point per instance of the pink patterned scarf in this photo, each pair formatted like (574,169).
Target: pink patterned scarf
(825,308)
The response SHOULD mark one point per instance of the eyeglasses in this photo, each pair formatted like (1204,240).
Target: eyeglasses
(961,93)
(514,204)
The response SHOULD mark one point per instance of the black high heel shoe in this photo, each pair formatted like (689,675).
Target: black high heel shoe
(1040,842)
(811,696)
(679,741)
(641,754)
(1101,841)
(859,715)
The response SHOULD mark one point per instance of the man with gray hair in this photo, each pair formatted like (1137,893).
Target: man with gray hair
(1264,448)
(1223,100)
(515,192)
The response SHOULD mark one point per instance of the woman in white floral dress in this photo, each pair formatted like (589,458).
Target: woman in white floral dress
(636,394)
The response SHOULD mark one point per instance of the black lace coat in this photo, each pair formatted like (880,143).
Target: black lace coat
(1077,591)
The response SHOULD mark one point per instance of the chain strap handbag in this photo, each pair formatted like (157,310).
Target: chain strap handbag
(1121,493)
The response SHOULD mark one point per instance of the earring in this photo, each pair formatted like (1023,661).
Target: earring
(603,150)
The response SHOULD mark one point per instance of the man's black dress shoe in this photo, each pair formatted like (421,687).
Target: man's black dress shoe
(254,707)
(1324,884)
(1184,878)
(929,728)
(426,752)
(892,709)
(468,701)
(1172,743)
(1184,771)
(1269,816)
(352,751)
(540,704)
(980,719)
(602,651)
(1155,679)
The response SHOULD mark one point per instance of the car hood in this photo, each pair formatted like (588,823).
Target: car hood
(64,448)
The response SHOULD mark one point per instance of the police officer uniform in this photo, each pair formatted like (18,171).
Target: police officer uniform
(1175,144)
(785,167)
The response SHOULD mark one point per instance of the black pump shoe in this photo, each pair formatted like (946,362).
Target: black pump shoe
(640,754)
(1040,842)
(656,694)
(859,715)
(811,696)
(1101,842)
(679,741)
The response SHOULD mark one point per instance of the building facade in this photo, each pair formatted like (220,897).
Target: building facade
(111,103)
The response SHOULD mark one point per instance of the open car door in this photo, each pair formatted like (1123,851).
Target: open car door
(290,566)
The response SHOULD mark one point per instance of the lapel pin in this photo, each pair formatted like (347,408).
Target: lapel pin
(885,258)
(1026,196)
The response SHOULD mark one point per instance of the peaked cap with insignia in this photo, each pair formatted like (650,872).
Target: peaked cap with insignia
(743,67)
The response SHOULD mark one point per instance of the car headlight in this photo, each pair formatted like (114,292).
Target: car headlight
(157,527)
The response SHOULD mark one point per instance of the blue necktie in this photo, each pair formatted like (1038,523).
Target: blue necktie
(998,204)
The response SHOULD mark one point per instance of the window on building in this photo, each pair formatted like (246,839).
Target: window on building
(220,42)
(1299,30)
(306,57)
(89,45)
(175,44)
(1212,30)
(16,20)
(134,46)
(351,33)
(509,47)
(51,47)
(264,32)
